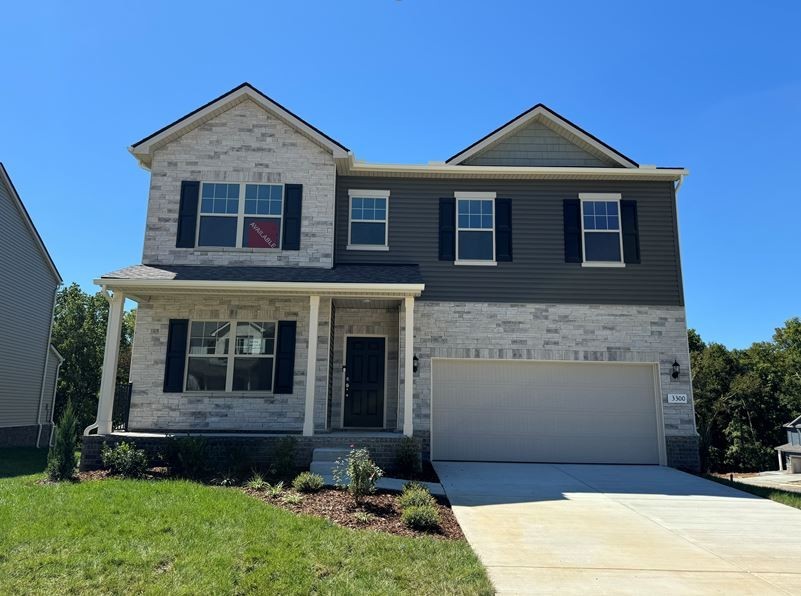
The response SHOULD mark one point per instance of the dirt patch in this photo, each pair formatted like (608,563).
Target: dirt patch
(379,512)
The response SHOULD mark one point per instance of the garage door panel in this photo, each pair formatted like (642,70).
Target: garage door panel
(544,411)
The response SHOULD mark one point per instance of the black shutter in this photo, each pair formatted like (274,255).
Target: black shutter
(572,224)
(447,229)
(176,356)
(631,232)
(293,199)
(187,214)
(285,357)
(503,229)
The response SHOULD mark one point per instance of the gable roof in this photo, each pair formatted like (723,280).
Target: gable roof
(556,122)
(794,424)
(15,198)
(143,150)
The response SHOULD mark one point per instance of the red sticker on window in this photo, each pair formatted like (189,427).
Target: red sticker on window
(262,233)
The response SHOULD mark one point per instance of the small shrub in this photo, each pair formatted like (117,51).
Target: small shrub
(407,458)
(306,482)
(275,490)
(256,482)
(124,459)
(418,497)
(414,485)
(363,517)
(189,457)
(424,518)
(292,499)
(284,457)
(231,461)
(61,459)
(358,473)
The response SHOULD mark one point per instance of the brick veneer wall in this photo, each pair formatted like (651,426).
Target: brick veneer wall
(242,144)
(260,449)
(23,436)
(604,333)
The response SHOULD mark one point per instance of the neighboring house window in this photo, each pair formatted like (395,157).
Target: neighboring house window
(475,228)
(368,226)
(227,220)
(600,222)
(215,363)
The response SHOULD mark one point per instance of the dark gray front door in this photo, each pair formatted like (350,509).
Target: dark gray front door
(364,382)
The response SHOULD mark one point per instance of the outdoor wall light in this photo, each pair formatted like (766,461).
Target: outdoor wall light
(676,369)
(415,363)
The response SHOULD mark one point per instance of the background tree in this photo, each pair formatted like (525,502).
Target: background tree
(79,334)
(743,397)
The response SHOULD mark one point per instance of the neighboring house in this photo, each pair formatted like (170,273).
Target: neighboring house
(521,301)
(790,452)
(28,363)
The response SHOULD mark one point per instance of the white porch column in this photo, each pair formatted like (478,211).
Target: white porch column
(408,368)
(108,380)
(781,461)
(311,365)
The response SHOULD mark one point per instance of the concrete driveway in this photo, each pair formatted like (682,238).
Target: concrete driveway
(584,529)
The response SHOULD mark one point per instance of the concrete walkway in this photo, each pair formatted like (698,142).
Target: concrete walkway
(582,529)
(779,480)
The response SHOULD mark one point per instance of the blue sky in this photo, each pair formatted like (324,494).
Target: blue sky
(712,86)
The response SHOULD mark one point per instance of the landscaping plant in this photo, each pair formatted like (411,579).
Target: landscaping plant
(256,482)
(358,473)
(124,459)
(407,458)
(307,482)
(274,490)
(416,497)
(424,518)
(61,461)
(292,499)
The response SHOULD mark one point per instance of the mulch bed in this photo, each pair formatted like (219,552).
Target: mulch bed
(338,507)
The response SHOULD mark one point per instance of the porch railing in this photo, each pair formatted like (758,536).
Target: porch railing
(122,407)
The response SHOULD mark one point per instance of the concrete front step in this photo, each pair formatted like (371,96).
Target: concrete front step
(323,468)
(329,454)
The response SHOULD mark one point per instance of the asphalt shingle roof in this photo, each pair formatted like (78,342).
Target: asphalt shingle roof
(356,274)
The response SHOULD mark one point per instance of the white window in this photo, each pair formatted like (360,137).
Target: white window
(475,228)
(368,220)
(602,241)
(214,363)
(228,220)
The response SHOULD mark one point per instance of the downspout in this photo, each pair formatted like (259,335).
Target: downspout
(88,430)
(44,372)
(55,390)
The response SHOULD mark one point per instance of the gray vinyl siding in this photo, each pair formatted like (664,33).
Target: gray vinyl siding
(26,307)
(537,145)
(538,273)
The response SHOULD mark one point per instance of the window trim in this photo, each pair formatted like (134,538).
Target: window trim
(230,357)
(483,196)
(590,197)
(240,216)
(355,193)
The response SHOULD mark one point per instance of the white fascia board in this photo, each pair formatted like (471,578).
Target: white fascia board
(541,112)
(359,167)
(142,151)
(271,287)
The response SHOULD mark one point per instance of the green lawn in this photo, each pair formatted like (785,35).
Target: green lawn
(780,496)
(152,537)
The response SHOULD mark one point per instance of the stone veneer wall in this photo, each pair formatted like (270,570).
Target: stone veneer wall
(558,332)
(152,409)
(366,321)
(242,144)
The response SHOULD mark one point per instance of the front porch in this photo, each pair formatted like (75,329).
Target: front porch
(351,349)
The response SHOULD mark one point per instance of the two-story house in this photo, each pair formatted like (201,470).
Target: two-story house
(521,301)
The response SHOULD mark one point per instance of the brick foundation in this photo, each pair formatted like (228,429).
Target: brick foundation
(683,453)
(24,436)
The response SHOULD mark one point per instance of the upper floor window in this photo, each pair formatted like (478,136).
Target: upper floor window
(601,232)
(227,220)
(368,225)
(475,228)
(215,363)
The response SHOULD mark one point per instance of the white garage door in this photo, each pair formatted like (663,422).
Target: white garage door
(544,412)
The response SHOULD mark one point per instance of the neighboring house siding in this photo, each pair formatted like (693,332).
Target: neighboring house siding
(152,409)
(242,144)
(26,308)
(582,333)
(538,272)
(534,144)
